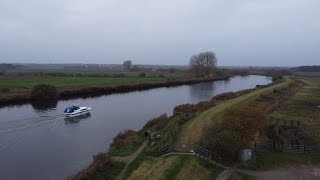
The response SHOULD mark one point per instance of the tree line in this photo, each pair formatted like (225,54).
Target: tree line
(315,68)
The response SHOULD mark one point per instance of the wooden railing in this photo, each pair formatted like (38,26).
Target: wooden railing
(165,150)
(200,151)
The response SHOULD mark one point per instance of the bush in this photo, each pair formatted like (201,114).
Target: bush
(102,167)
(5,90)
(125,142)
(156,123)
(238,130)
(44,92)
(142,75)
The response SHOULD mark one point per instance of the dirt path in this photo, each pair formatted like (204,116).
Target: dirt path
(292,173)
(129,159)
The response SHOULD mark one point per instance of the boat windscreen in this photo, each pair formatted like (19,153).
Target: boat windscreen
(71,109)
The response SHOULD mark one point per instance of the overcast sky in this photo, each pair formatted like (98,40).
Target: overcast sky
(241,32)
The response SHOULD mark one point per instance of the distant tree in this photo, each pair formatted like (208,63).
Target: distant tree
(142,74)
(4,66)
(135,68)
(172,70)
(127,65)
(203,64)
(314,68)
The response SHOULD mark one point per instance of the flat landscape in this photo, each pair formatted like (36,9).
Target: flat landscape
(301,104)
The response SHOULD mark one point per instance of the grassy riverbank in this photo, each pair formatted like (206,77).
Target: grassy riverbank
(175,166)
(191,133)
(17,90)
(188,122)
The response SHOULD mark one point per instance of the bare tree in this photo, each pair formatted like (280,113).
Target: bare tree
(127,65)
(203,64)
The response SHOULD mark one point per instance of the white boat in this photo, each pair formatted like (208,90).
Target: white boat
(74,111)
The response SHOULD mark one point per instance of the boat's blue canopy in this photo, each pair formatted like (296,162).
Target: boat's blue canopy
(71,109)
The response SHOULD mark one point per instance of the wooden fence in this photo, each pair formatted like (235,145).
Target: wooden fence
(165,150)
(295,123)
(289,148)
(212,157)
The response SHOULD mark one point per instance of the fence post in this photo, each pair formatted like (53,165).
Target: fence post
(304,148)
(255,147)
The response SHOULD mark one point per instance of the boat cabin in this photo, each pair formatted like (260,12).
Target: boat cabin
(71,109)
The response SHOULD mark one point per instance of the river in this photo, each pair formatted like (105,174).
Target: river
(36,142)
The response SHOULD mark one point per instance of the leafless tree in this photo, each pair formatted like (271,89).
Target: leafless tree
(203,64)
(127,65)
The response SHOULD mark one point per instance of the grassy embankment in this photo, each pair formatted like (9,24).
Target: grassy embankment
(192,130)
(177,166)
(302,106)
(171,167)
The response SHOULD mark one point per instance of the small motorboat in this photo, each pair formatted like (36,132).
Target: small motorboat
(74,111)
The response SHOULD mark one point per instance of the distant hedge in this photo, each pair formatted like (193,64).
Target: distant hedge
(44,92)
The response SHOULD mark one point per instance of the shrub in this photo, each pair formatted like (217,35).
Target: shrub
(184,108)
(5,90)
(237,130)
(142,74)
(125,140)
(44,92)
(119,75)
(78,75)
(102,167)
(156,123)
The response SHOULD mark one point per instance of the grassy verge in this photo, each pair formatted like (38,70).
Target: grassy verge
(172,167)
(269,160)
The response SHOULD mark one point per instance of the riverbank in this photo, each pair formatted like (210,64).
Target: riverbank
(166,130)
(69,92)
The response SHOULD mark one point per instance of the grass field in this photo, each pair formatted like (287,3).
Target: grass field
(73,81)
(27,81)
(302,106)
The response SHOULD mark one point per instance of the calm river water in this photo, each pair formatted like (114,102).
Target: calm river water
(36,142)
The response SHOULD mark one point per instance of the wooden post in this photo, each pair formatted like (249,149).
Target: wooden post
(255,147)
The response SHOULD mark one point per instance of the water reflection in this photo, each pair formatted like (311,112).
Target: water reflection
(202,90)
(71,120)
(44,106)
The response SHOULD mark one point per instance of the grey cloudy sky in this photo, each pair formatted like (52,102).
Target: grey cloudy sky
(241,32)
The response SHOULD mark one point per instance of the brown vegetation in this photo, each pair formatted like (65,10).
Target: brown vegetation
(124,141)
(238,130)
(102,167)
(157,122)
